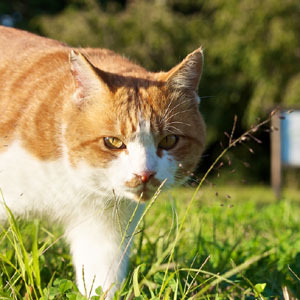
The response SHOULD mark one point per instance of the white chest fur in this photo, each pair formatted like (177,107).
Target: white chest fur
(31,186)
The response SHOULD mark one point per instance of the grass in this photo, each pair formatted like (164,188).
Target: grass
(237,242)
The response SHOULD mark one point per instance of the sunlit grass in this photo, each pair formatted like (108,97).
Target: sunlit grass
(237,243)
(227,229)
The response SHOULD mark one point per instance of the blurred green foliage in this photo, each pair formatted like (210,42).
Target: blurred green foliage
(252,48)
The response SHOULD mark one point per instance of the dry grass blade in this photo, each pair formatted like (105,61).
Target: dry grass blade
(287,295)
(233,128)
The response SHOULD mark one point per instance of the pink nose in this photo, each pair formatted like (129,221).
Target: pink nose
(146,175)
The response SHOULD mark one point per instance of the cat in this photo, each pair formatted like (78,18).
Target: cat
(85,134)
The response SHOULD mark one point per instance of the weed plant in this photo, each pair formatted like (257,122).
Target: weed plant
(206,242)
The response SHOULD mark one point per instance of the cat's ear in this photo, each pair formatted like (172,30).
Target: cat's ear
(86,77)
(186,75)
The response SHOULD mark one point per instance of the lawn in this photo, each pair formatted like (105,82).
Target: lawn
(231,242)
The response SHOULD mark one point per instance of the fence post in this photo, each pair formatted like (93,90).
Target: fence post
(276,155)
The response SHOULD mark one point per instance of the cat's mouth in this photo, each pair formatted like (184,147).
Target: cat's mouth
(144,196)
(137,183)
(138,191)
(146,193)
(143,192)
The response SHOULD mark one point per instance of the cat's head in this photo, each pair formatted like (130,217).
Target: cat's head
(126,134)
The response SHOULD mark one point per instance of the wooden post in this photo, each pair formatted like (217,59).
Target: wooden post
(276,155)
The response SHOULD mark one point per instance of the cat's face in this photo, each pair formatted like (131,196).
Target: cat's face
(127,135)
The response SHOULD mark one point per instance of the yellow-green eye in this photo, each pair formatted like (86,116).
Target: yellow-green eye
(114,143)
(168,142)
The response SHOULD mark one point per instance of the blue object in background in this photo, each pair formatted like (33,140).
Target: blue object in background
(290,138)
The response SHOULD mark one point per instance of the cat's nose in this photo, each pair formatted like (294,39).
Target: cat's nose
(145,176)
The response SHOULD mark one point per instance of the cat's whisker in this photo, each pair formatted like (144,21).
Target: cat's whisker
(167,114)
(179,104)
(178,122)
(177,113)
(167,109)
(174,131)
(204,97)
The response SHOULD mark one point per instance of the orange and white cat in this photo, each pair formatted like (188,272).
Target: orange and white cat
(84,133)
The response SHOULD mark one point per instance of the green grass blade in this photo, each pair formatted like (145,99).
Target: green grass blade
(35,255)
(234,271)
(136,287)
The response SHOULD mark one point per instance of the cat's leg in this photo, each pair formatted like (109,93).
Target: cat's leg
(97,255)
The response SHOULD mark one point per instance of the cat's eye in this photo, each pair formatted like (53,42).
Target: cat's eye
(114,143)
(168,142)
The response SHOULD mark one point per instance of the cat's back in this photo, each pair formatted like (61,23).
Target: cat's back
(31,72)
(22,47)
(36,80)
(13,39)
